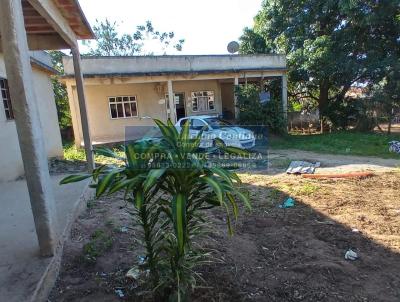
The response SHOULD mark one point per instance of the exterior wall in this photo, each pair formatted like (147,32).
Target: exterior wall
(228,102)
(151,104)
(11,166)
(188,87)
(176,63)
(102,127)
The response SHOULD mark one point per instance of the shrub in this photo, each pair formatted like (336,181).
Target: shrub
(171,185)
(253,112)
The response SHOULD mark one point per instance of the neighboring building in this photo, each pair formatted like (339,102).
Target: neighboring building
(11,165)
(131,91)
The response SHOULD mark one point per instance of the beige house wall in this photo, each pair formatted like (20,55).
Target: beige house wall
(187,87)
(151,104)
(11,166)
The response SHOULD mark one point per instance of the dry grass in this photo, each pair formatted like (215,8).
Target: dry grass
(370,205)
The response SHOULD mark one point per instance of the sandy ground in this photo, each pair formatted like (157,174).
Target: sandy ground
(293,254)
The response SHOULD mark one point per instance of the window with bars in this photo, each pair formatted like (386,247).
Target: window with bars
(203,101)
(5,95)
(123,106)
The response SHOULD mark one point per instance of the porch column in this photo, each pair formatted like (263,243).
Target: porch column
(284,96)
(171,100)
(76,57)
(235,85)
(29,129)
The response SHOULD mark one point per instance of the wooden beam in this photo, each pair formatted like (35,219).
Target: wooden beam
(48,10)
(44,42)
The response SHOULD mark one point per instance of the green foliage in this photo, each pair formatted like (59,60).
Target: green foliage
(386,93)
(170,186)
(60,91)
(330,45)
(111,43)
(72,153)
(253,112)
(99,243)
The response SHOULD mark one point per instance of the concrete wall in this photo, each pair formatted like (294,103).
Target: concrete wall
(185,63)
(11,166)
(151,104)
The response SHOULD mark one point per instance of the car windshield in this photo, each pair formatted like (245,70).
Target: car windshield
(217,123)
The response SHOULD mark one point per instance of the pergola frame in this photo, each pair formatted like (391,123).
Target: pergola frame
(40,25)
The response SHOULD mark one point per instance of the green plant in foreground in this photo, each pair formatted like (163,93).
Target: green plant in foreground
(171,184)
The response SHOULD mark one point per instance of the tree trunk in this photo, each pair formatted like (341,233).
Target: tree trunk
(390,122)
(323,101)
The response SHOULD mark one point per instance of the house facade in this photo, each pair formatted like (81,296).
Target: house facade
(11,165)
(131,91)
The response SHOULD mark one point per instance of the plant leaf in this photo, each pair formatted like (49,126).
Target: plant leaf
(152,178)
(74,178)
(105,183)
(179,215)
(216,187)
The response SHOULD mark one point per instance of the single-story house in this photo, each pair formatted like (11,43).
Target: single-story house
(131,91)
(11,165)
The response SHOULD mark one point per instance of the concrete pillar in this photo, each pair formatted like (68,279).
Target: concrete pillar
(171,100)
(235,85)
(29,129)
(284,96)
(82,108)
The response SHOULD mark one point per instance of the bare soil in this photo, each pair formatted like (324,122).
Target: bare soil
(293,254)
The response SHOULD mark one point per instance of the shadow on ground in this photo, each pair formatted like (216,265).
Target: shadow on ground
(294,254)
(297,254)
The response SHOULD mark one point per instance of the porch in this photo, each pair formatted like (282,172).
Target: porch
(128,92)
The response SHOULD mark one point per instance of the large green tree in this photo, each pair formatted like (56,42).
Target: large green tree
(330,45)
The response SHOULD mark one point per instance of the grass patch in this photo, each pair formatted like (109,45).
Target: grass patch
(99,243)
(308,189)
(72,153)
(345,142)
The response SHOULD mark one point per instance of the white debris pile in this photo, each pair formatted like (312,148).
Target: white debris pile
(302,167)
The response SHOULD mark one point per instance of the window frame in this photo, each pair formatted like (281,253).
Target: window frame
(129,101)
(8,110)
(210,95)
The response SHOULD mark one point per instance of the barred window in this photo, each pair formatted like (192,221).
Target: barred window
(123,106)
(203,101)
(5,95)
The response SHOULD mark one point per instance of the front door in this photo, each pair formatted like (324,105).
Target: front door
(180,105)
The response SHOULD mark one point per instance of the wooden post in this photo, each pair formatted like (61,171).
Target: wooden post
(29,129)
(82,108)
(171,100)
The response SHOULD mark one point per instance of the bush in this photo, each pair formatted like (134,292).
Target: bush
(253,112)
(171,186)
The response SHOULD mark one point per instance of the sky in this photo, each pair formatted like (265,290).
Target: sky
(206,25)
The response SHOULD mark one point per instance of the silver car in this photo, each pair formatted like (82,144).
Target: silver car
(214,127)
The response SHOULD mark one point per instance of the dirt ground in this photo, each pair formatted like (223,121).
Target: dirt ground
(293,254)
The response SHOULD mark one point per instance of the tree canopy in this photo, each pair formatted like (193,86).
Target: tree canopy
(330,45)
(110,42)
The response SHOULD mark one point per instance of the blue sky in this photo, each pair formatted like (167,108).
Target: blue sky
(206,25)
